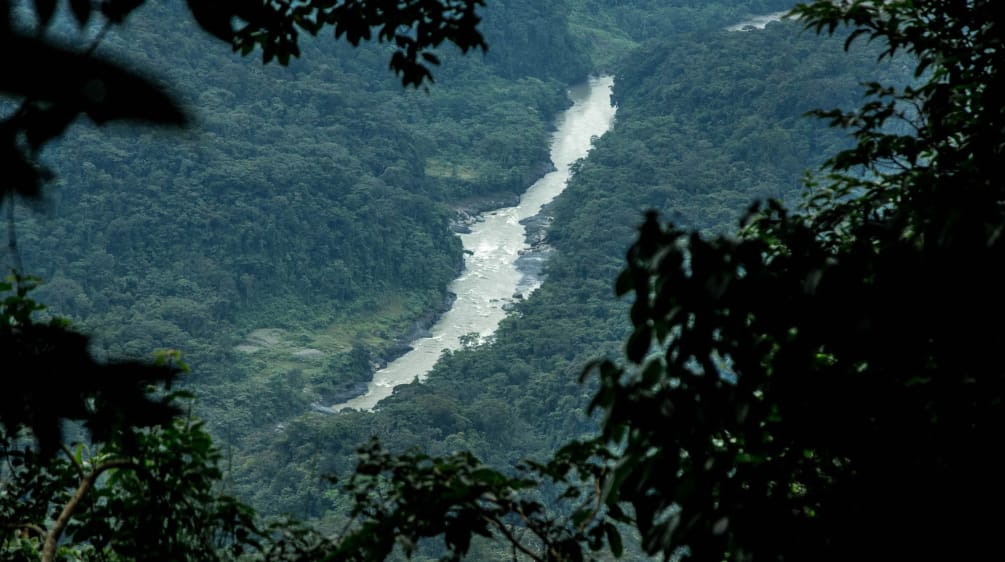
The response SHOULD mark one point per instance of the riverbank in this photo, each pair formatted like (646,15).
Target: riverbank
(502,265)
(757,22)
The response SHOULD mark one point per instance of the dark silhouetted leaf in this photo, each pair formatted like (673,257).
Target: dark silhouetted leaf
(101,90)
(81,11)
(44,10)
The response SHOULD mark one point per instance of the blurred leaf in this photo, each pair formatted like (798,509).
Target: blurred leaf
(117,10)
(614,540)
(44,10)
(83,84)
(81,10)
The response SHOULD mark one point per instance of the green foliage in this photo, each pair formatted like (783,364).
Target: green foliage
(148,490)
(518,397)
(51,376)
(402,499)
(144,486)
(816,385)
(794,393)
(314,200)
(820,384)
(151,498)
(83,83)
(414,27)
(532,38)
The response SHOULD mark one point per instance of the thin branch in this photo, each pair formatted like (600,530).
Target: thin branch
(98,38)
(15,255)
(517,545)
(530,526)
(52,538)
(544,539)
(345,529)
(73,459)
(594,509)
(28,526)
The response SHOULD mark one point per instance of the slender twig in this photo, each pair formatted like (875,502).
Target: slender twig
(345,529)
(593,504)
(27,526)
(544,539)
(15,254)
(73,459)
(517,545)
(98,38)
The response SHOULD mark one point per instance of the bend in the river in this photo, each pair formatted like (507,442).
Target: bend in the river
(491,277)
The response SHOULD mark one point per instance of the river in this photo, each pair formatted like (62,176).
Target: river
(492,278)
(757,22)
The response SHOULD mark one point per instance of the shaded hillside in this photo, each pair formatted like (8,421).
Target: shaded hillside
(313,200)
(703,123)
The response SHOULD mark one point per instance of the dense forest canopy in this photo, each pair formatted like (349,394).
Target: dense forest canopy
(785,395)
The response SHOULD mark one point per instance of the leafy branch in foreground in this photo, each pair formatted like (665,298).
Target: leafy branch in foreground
(142,487)
(402,499)
(51,376)
(824,382)
(155,500)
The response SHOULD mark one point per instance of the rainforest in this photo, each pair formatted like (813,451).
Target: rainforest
(511,280)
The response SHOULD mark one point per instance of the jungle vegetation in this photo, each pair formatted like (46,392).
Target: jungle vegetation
(817,380)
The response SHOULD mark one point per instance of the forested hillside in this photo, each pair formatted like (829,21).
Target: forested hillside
(301,231)
(313,202)
(707,123)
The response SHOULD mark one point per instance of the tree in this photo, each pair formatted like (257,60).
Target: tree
(54,85)
(52,377)
(821,386)
(146,491)
(144,486)
(152,500)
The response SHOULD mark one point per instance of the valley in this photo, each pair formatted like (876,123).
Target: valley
(301,242)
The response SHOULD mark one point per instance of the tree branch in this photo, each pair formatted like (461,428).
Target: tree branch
(28,526)
(86,483)
(15,254)
(73,459)
(541,535)
(512,540)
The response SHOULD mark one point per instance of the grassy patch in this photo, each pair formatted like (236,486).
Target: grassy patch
(442,169)
(312,361)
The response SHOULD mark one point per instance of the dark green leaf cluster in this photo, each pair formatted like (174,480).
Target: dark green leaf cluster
(155,498)
(402,499)
(825,381)
(50,376)
(55,86)
(415,27)
(144,486)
